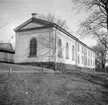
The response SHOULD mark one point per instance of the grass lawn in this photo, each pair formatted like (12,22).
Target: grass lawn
(71,88)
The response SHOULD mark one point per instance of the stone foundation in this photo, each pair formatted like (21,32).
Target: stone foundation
(58,66)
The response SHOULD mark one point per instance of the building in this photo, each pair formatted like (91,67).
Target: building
(6,53)
(39,41)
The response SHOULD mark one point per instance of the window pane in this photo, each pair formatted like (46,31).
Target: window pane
(59,48)
(33,47)
(73,50)
(67,51)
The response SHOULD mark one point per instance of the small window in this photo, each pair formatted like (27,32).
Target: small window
(59,48)
(67,51)
(91,63)
(85,61)
(33,47)
(91,54)
(78,59)
(73,52)
(94,55)
(82,50)
(88,61)
(82,60)
(78,47)
(85,51)
(88,52)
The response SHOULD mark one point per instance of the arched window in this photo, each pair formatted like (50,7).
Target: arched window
(33,47)
(59,48)
(67,51)
(73,50)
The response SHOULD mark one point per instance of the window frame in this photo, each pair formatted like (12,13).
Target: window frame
(73,52)
(59,52)
(33,47)
(78,59)
(67,50)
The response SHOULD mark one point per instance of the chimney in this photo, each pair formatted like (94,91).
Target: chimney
(34,15)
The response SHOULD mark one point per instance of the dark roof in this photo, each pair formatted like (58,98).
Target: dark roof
(47,23)
(6,47)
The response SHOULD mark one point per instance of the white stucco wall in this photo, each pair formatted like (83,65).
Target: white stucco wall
(64,38)
(23,42)
(44,54)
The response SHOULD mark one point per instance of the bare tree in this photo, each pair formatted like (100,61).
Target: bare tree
(99,8)
(102,53)
(50,43)
(97,23)
(54,19)
(46,48)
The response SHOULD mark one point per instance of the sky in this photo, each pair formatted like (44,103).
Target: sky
(15,12)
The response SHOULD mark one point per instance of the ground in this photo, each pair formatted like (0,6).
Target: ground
(70,88)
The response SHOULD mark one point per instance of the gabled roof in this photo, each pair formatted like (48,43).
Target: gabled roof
(6,47)
(47,24)
(40,22)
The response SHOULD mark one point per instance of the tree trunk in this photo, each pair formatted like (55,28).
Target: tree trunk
(103,66)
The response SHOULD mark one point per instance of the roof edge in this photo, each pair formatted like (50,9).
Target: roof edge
(47,23)
(72,36)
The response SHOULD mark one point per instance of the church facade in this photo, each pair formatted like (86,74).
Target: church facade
(40,41)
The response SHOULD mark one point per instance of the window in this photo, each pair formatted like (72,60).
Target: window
(91,54)
(59,48)
(88,52)
(85,61)
(67,51)
(85,51)
(82,49)
(78,59)
(94,63)
(33,47)
(82,60)
(91,62)
(78,47)
(73,50)
(88,62)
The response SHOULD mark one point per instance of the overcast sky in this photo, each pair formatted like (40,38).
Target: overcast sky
(15,12)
